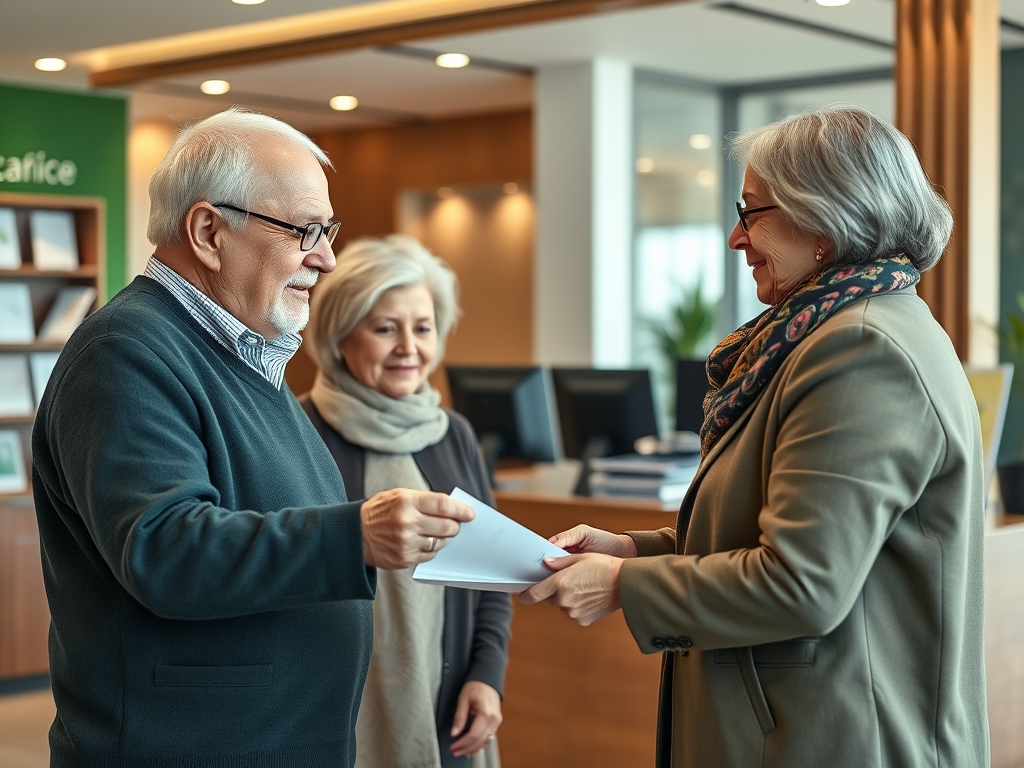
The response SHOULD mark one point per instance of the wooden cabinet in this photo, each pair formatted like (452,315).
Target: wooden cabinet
(24,617)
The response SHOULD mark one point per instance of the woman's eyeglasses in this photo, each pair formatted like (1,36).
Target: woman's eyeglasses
(744,212)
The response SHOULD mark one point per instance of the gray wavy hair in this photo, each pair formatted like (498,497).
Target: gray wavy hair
(215,160)
(368,267)
(846,174)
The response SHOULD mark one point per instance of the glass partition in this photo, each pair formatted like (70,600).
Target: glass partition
(679,245)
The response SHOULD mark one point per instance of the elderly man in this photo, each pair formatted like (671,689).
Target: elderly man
(209,583)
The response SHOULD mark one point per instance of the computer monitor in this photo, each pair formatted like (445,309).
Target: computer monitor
(691,387)
(602,412)
(510,410)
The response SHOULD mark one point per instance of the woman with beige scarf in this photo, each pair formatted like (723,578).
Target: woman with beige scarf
(378,326)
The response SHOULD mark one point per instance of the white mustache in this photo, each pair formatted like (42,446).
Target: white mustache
(304,278)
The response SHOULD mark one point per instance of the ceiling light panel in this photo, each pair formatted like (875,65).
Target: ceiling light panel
(50,64)
(215,87)
(344,103)
(452,60)
(378,80)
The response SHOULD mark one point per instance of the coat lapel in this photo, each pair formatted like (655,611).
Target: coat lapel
(686,506)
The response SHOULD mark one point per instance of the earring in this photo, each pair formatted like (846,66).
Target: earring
(819,254)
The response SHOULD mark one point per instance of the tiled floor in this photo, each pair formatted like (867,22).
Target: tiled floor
(24,722)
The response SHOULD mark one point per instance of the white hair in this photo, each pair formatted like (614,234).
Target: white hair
(846,174)
(216,160)
(368,267)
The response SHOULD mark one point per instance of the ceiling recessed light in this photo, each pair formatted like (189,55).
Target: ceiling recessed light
(644,165)
(215,87)
(344,103)
(445,192)
(705,178)
(832,3)
(700,141)
(511,188)
(452,60)
(246,2)
(50,64)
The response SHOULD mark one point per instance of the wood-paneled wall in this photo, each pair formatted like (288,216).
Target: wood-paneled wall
(374,166)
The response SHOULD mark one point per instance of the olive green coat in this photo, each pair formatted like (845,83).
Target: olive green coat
(821,599)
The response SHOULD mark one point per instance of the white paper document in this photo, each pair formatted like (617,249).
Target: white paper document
(491,552)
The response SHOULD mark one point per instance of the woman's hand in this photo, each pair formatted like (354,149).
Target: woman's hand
(585,587)
(484,704)
(583,538)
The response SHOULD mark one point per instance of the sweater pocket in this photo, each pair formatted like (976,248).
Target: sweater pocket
(247,676)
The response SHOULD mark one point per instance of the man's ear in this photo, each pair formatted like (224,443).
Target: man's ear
(204,228)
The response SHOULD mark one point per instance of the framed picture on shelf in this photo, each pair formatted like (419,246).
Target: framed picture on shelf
(54,243)
(12,463)
(10,245)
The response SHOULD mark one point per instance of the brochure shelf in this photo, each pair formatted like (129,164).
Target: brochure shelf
(23,614)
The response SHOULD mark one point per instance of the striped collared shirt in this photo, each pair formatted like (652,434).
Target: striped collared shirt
(267,358)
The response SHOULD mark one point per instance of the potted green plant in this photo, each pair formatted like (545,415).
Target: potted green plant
(685,333)
(1011,474)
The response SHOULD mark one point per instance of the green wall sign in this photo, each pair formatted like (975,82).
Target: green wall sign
(69,143)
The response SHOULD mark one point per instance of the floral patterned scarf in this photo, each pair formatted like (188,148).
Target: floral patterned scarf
(745,361)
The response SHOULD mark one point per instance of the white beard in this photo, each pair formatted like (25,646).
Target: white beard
(289,315)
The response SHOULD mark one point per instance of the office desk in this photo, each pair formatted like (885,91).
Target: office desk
(586,697)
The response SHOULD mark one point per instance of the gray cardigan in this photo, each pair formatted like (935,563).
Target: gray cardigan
(476,624)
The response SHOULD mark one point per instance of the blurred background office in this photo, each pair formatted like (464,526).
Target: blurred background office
(567,163)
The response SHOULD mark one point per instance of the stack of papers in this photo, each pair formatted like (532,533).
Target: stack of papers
(661,477)
(491,552)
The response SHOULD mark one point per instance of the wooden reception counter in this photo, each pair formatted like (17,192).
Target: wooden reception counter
(578,697)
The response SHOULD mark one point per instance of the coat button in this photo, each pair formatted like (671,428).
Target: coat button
(658,642)
(685,642)
(671,643)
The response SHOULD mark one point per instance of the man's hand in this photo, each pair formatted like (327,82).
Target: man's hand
(583,538)
(484,704)
(402,528)
(585,587)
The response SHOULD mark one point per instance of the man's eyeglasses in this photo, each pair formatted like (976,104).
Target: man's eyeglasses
(309,233)
(744,212)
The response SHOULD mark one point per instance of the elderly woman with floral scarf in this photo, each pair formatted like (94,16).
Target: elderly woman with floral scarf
(819,600)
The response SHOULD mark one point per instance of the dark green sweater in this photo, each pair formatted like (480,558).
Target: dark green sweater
(210,604)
